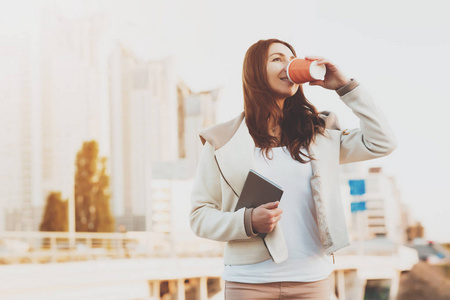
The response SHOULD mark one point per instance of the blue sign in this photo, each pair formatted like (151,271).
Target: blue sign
(358,206)
(357,187)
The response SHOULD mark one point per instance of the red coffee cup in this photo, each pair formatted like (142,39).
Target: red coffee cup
(301,70)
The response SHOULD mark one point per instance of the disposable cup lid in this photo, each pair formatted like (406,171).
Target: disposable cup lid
(317,72)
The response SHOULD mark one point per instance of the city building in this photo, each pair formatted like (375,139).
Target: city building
(385,215)
(71,95)
(143,106)
(172,181)
(155,122)
(196,111)
(57,97)
(54,100)
(18,123)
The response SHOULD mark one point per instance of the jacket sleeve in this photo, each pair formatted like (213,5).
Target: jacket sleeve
(207,219)
(374,138)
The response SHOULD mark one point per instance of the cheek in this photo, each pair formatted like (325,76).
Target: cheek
(269,73)
(272,70)
(273,76)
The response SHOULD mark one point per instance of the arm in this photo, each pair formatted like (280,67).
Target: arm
(207,220)
(374,138)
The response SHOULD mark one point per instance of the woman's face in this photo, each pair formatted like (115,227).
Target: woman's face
(278,59)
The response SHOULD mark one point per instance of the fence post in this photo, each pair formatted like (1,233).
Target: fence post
(53,249)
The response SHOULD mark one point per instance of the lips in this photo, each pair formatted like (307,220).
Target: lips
(285,79)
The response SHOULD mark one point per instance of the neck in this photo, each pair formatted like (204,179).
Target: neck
(273,125)
(280,103)
(274,128)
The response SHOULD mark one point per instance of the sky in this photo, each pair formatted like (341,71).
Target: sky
(397,49)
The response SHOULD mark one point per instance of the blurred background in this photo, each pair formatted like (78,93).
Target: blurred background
(101,103)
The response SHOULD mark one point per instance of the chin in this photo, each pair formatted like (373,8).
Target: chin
(287,94)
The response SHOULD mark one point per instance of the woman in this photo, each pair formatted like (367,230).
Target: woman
(283,137)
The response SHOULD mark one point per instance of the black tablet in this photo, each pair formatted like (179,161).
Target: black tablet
(258,190)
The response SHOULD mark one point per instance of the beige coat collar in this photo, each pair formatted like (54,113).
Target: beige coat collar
(236,157)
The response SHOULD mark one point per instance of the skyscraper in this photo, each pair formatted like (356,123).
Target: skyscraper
(155,121)
(196,111)
(71,95)
(143,130)
(55,100)
(16,123)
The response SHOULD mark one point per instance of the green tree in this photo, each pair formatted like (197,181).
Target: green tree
(55,213)
(92,194)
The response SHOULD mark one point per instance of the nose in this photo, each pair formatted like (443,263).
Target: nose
(286,64)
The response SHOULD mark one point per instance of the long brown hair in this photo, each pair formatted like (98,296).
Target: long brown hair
(299,119)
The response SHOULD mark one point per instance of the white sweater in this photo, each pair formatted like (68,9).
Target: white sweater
(307,260)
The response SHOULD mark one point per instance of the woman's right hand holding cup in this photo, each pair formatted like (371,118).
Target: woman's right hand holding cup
(265,217)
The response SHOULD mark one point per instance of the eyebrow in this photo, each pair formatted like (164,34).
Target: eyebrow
(279,53)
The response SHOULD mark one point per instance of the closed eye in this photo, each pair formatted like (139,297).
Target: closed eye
(279,59)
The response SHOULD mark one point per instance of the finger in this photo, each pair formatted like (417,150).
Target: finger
(272,214)
(323,61)
(276,219)
(312,57)
(277,212)
(317,82)
(271,205)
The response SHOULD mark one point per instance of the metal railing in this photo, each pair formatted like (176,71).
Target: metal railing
(44,247)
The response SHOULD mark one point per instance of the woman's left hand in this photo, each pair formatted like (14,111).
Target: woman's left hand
(334,78)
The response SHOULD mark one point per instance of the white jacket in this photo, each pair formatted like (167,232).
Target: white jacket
(228,155)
